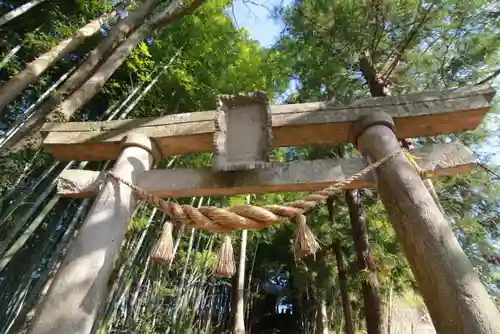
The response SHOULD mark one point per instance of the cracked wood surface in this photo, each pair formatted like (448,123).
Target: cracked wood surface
(434,160)
(415,115)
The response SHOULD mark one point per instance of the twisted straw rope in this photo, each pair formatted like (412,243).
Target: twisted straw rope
(245,216)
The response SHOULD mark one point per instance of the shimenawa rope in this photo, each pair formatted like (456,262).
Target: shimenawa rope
(244,216)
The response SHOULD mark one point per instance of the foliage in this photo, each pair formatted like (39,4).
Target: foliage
(411,45)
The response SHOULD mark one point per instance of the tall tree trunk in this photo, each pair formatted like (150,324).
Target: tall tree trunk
(344,288)
(248,293)
(375,84)
(118,33)
(81,96)
(370,285)
(342,274)
(92,83)
(19,11)
(322,316)
(378,88)
(371,288)
(34,69)
(319,288)
(18,124)
(239,304)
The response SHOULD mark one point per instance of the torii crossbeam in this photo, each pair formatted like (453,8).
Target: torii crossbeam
(456,299)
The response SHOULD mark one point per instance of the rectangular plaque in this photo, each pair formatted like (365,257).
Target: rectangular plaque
(243,132)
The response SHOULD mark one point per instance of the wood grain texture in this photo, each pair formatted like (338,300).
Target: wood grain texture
(437,160)
(81,283)
(457,301)
(415,115)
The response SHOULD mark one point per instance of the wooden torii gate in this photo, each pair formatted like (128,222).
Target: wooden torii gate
(240,133)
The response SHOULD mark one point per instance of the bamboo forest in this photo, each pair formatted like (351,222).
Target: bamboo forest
(369,206)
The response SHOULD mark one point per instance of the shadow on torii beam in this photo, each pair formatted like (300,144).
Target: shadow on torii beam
(453,293)
(294,125)
(433,160)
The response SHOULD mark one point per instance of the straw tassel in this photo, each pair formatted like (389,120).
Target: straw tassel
(225,259)
(163,251)
(305,241)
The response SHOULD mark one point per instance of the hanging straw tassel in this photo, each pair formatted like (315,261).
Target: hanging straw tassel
(305,241)
(163,251)
(225,259)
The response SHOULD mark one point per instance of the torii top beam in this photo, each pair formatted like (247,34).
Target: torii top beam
(415,115)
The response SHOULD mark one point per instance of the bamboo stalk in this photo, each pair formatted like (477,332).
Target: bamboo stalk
(19,11)
(183,277)
(43,281)
(14,231)
(121,277)
(21,197)
(18,301)
(201,286)
(27,169)
(34,69)
(27,234)
(28,113)
(11,54)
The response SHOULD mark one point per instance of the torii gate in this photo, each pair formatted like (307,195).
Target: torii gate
(240,134)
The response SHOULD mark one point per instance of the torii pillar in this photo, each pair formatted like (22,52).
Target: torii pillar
(81,283)
(456,299)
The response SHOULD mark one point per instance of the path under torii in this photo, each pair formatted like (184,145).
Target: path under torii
(455,298)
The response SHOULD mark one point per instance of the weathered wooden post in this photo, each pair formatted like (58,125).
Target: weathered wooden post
(80,284)
(456,299)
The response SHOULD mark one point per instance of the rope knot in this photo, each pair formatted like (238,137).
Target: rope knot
(251,217)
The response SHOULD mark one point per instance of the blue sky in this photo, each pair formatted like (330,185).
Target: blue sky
(255,17)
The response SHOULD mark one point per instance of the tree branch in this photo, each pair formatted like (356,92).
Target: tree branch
(166,17)
(489,77)
(378,30)
(412,35)
(369,72)
(453,38)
